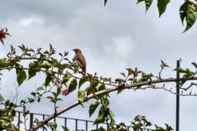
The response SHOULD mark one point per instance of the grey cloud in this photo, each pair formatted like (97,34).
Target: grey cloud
(59,11)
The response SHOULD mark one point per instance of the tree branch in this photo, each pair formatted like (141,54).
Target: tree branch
(107,91)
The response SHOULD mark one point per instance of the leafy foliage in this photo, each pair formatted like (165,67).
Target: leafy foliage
(188,10)
(140,123)
(93,107)
(72,85)
(21,75)
(188,13)
(61,80)
(148,3)
(7,114)
(162,5)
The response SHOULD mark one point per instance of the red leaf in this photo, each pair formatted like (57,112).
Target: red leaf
(65,92)
(3,34)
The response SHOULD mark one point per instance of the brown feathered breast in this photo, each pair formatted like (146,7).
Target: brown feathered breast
(80,59)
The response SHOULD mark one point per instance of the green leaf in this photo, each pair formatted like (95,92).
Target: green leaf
(182,12)
(92,88)
(58,91)
(148,3)
(72,85)
(53,126)
(101,116)
(31,73)
(162,5)
(93,108)
(33,69)
(188,14)
(4,63)
(65,128)
(54,62)
(101,87)
(168,128)
(21,75)
(81,96)
(191,19)
(82,81)
(187,73)
(48,79)
(139,1)
(105,102)
(65,79)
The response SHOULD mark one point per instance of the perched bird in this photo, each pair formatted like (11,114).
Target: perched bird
(80,59)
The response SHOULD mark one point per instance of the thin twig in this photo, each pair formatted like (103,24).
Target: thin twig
(191,84)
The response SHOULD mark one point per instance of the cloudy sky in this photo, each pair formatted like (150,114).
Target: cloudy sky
(112,38)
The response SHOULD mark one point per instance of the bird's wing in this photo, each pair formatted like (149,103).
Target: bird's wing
(80,59)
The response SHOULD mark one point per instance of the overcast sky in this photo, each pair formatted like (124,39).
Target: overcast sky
(112,38)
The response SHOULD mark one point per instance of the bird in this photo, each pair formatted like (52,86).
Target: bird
(80,59)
